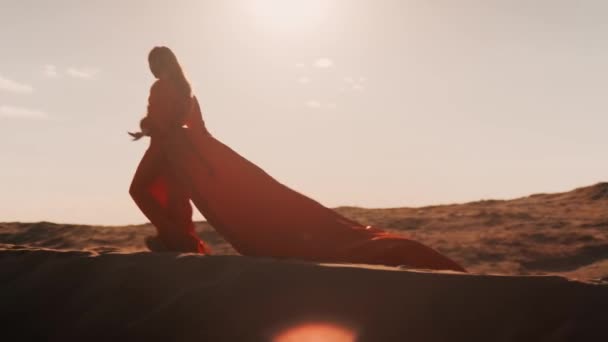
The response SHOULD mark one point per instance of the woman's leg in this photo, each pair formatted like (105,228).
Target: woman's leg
(158,195)
(148,190)
(179,210)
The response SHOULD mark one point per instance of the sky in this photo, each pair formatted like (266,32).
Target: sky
(377,103)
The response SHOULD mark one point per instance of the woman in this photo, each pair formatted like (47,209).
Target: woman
(155,188)
(255,213)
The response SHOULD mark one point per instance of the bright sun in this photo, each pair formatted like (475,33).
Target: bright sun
(289,15)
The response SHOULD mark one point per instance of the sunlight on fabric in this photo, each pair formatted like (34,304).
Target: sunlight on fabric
(312,332)
(289,15)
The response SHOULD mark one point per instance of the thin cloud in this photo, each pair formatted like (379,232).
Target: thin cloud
(313,104)
(13,112)
(50,71)
(355,84)
(14,86)
(83,73)
(299,65)
(323,63)
(303,80)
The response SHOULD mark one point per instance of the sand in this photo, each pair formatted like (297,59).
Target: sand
(560,234)
(64,282)
(50,295)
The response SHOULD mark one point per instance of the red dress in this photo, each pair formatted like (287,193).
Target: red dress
(254,212)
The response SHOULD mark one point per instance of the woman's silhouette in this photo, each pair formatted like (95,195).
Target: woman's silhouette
(255,213)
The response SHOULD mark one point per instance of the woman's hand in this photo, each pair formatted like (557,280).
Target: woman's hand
(136,135)
(139,135)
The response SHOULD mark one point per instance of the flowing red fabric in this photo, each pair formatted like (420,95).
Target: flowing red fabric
(254,212)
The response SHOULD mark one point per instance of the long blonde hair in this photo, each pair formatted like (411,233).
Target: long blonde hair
(161,58)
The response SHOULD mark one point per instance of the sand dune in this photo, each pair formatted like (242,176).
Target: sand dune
(564,233)
(62,282)
(49,295)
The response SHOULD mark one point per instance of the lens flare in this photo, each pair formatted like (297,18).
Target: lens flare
(315,332)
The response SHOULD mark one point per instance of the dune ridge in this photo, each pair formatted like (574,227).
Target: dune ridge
(563,233)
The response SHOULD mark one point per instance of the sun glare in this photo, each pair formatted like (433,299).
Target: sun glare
(289,15)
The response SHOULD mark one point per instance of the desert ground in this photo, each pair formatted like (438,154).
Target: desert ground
(560,234)
(538,271)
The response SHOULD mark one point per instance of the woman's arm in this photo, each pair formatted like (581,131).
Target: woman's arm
(165,111)
(152,123)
